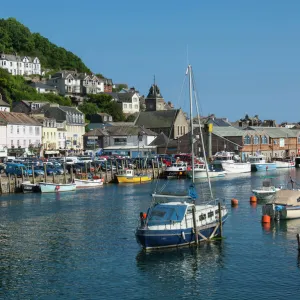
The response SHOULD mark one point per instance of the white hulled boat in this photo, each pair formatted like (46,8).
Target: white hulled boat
(267,191)
(88,183)
(259,163)
(200,172)
(175,220)
(284,162)
(47,187)
(176,170)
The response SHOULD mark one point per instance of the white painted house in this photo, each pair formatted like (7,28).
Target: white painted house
(20,65)
(21,132)
(66,82)
(130,101)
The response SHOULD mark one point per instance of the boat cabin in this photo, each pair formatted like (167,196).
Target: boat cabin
(220,157)
(254,159)
(126,172)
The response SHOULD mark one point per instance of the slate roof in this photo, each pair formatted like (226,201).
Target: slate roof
(3,103)
(70,109)
(128,130)
(42,86)
(277,132)
(121,97)
(17,118)
(228,131)
(161,140)
(157,119)
(96,132)
(18,58)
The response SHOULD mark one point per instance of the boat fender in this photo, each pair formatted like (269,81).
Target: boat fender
(183,235)
(278,207)
(57,188)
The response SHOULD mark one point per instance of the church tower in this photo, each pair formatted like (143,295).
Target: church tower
(154,100)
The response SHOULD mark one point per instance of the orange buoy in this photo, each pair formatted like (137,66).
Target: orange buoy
(234,202)
(253,199)
(265,219)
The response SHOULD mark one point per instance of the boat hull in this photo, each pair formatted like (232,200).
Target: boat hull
(30,188)
(263,195)
(263,166)
(55,188)
(133,179)
(235,168)
(81,183)
(284,164)
(202,174)
(158,239)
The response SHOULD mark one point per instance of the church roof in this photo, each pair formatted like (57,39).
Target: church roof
(154,92)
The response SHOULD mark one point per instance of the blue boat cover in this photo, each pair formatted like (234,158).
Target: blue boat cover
(164,214)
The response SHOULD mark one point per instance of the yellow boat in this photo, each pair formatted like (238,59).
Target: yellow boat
(128,176)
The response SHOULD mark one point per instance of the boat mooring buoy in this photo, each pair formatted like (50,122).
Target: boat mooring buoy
(234,202)
(253,199)
(265,219)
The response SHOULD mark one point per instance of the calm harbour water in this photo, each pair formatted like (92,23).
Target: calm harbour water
(81,245)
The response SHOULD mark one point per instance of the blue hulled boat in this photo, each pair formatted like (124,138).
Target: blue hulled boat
(171,222)
(175,220)
(258,163)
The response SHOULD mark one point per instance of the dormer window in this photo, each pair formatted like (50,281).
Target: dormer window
(256,140)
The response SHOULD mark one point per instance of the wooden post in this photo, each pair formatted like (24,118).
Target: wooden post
(106,171)
(71,175)
(220,219)
(45,172)
(33,178)
(22,174)
(1,191)
(111,171)
(298,241)
(9,183)
(85,164)
(15,189)
(122,162)
(53,177)
(195,224)
(153,171)
(65,175)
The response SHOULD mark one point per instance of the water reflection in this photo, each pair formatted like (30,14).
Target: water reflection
(191,261)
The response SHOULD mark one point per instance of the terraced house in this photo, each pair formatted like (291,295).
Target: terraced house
(20,65)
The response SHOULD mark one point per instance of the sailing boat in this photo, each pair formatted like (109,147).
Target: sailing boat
(175,220)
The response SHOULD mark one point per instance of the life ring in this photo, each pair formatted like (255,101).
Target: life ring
(57,188)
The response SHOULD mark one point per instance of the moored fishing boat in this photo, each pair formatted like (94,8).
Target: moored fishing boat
(28,187)
(267,191)
(87,183)
(175,219)
(284,163)
(200,172)
(129,176)
(47,187)
(286,205)
(259,163)
(176,170)
(236,167)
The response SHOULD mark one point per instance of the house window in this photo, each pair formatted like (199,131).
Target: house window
(18,143)
(37,130)
(29,142)
(180,130)
(18,129)
(24,143)
(130,105)
(264,140)
(125,105)
(30,130)
(183,129)
(136,106)
(120,141)
(255,140)
(59,135)
(299,139)
(11,129)
(247,140)
(105,118)
(24,130)
(12,142)
(177,130)
(275,142)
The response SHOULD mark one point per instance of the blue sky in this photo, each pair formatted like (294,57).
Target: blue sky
(245,54)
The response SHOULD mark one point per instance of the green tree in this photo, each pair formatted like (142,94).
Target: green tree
(88,109)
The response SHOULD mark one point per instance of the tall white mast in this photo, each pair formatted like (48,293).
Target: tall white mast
(191,120)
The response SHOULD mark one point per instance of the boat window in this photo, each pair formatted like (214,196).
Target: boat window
(162,214)
(217,212)
(202,217)
(210,214)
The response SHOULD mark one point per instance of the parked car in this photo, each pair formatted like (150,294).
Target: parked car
(16,169)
